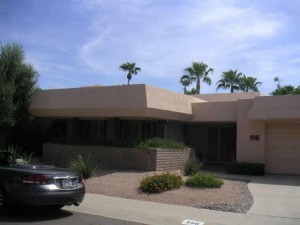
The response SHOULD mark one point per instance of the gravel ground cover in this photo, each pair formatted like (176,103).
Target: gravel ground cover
(233,196)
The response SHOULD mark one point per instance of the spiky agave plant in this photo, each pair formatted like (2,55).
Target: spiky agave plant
(85,165)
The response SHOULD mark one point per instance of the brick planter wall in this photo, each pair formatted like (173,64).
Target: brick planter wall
(119,158)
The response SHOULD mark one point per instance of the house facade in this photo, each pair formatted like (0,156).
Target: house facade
(245,127)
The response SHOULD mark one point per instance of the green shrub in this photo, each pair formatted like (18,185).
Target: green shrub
(161,143)
(192,166)
(18,153)
(150,143)
(204,180)
(245,168)
(160,183)
(84,165)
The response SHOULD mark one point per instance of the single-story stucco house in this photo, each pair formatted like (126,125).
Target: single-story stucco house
(245,127)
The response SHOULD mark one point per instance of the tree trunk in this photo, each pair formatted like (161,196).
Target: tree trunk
(198,86)
(129,78)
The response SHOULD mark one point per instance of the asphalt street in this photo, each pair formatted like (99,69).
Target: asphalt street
(57,217)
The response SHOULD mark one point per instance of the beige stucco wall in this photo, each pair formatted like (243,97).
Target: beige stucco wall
(90,102)
(249,150)
(275,108)
(214,112)
(162,99)
(131,101)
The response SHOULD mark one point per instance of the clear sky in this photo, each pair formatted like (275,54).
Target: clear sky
(75,43)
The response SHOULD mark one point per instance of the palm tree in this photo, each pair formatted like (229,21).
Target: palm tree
(277,80)
(185,81)
(230,80)
(249,83)
(198,71)
(130,68)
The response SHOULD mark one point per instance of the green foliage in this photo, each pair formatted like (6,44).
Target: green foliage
(160,183)
(286,90)
(249,84)
(185,80)
(130,68)
(195,73)
(230,79)
(204,180)
(18,153)
(85,165)
(190,92)
(245,168)
(192,166)
(18,82)
(150,143)
(161,143)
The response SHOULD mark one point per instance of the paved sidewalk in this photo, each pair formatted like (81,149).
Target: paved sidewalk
(162,214)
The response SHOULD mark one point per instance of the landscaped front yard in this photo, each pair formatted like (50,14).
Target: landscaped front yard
(233,196)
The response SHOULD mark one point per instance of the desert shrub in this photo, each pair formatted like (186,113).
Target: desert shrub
(204,180)
(160,183)
(192,166)
(161,143)
(17,153)
(85,165)
(246,168)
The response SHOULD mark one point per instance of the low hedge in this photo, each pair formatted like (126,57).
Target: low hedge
(204,180)
(161,143)
(149,143)
(246,168)
(160,183)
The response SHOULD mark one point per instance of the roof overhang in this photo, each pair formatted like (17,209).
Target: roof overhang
(128,101)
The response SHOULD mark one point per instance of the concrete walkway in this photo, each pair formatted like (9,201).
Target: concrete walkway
(276,201)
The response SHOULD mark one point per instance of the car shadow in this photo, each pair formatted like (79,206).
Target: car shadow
(31,215)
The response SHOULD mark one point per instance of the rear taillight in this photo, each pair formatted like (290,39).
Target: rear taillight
(35,179)
(81,179)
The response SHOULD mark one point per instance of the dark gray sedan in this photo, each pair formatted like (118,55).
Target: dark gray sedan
(38,185)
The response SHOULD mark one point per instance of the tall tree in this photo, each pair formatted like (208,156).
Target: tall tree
(185,81)
(286,89)
(230,80)
(249,84)
(197,72)
(18,83)
(131,69)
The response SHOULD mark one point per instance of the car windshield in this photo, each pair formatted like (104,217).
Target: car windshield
(5,158)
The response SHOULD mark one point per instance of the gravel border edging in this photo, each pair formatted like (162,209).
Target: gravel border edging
(240,206)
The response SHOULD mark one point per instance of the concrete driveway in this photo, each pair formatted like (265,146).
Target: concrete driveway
(276,195)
